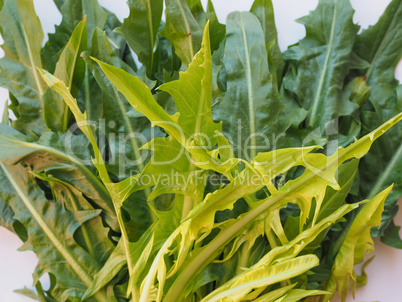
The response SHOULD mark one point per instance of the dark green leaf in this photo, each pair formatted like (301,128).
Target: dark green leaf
(23,36)
(122,120)
(72,11)
(182,30)
(216,30)
(57,251)
(322,60)
(71,69)
(64,156)
(264,11)
(381,45)
(140,30)
(91,235)
(250,97)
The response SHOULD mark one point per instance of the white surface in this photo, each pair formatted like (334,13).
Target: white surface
(384,272)
(16,268)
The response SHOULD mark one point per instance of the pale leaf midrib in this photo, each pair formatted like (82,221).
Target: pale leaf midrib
(200,259)
(250,92)
(76,266)
(88,173)
(270,279)
(151,30)
(70,82)
(189,37)
(31,60)
(133,142)
(324,68)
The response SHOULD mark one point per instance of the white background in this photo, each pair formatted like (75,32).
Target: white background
(385,272)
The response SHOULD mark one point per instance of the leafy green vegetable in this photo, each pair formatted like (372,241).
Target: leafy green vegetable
(182,30)
(219,169)
(323,57)
(23,35)
(36,213)
(69,69)
(140,30)
(357,243)
(250,94)
(385,40)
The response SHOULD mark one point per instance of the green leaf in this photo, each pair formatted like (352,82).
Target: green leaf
(140,30)
(383,42)
(391,236)
(57,251)
(266,167)
(263,277)
(92,236)
(274,294)
(5,119)
(170,170)
(113,265)
(357,243)
(64,163)
(72,11)
(81,119)
(6,213)
(142,100)
(198,12)
(322,60)
(264,11)
(335,198)
(27,293)
(380,45)
(288,250)
(217,30)
(120,116)
(182,30)
(23,35)
(70,69)
(192,94)
(58,3)
(145,197)
(98,161)
(295,295)
(168,62)
(125,130)
(383,165)
(11,139)
(320,171)
(250,98)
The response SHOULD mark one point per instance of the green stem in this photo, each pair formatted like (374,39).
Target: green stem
(87,92)
(211,250)
(148,282)
(244,253)
(271,239)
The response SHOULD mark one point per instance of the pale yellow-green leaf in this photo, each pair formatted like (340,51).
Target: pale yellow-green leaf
(275,294)
(357,244)
(263,277)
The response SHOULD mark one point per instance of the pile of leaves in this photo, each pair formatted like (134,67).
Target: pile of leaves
(217,169)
